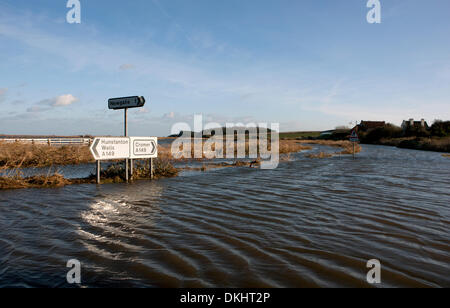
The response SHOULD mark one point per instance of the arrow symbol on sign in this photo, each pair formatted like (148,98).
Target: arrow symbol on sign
(94,148)
(154,147)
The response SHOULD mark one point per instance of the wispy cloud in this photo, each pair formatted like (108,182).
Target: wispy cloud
(48,104)
(125,67)
(2,94)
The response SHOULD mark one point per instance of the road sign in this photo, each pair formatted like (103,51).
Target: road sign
(126,102)
(109,148)
(354,137)
(143,147)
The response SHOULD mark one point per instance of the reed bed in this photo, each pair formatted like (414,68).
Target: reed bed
(15,156)
(320,155)
(347,146)
(31,155)
(285,147)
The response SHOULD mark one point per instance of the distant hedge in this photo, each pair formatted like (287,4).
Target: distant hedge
(440,129)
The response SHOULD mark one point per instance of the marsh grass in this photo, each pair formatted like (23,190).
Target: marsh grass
(345,145)
(16,181)
(30,155)
(285,147)
(15,156)
(238,163)
(320,155)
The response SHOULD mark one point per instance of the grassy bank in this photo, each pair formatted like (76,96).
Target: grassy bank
(435,144)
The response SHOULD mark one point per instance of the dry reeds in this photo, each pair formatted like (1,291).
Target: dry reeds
(285,147)
(37,181)
(29,155)
(347,146)
(319,155)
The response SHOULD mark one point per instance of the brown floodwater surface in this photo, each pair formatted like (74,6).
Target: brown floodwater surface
(308,223)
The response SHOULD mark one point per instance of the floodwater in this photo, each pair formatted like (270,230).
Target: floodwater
(308,223)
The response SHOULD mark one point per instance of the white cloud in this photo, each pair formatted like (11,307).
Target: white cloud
(64,100)
(59,101)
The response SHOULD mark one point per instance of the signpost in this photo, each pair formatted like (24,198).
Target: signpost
(144,147)
(112,148)
(354,139)
(109,148)
(125,103)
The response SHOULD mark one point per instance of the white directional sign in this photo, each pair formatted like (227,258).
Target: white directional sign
(109,148)
(126,102)
(143,147)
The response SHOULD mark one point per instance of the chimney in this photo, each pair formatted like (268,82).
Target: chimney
(422,122)
(411,122)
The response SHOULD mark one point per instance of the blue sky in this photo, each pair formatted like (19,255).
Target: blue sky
(306,64)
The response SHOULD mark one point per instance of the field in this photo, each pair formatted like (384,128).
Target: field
(296,135)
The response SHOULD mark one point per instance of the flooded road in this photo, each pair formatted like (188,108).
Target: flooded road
(308,223)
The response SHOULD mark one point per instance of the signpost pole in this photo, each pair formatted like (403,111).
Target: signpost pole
(125,103)
(126,135)
(131,169)
(151,168)
(353,150)
(98,171)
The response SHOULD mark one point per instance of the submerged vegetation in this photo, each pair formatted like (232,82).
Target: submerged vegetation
(345,145)
(17,181)
(319,155)
(16,156)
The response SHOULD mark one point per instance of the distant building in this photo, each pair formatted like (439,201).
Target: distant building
(366,125)
(414,124)
(327,133)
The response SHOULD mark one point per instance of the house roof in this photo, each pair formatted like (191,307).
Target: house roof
(416,123)
(371,124)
